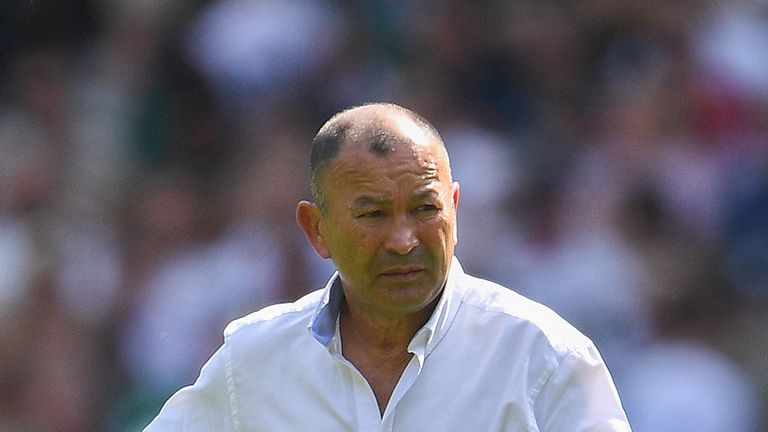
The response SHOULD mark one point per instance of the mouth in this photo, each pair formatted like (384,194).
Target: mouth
(403,274)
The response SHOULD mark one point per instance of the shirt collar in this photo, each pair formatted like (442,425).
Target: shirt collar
(323,324)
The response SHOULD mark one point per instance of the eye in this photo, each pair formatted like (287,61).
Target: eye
(372,214)
(427,208)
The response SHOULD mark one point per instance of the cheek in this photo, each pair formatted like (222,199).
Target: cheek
(438,232)
(450,235)
(351,242)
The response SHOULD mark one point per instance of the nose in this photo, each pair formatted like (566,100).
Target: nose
(402,238)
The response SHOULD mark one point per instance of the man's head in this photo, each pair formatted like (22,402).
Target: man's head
(361,125)
(385,209)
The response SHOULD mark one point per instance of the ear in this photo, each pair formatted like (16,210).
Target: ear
(309,217)
(455,187)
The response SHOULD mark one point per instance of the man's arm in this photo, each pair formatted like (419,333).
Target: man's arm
(580,396)
(202,407)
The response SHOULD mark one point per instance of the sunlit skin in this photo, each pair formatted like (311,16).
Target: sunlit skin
(389,225)
(389,228)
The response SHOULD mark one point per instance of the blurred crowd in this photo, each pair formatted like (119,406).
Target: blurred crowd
(613,158)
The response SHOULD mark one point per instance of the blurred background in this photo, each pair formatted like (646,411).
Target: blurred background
(613,159)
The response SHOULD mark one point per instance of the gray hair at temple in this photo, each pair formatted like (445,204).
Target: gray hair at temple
(350,126)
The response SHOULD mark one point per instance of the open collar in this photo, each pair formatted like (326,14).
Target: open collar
(324,323)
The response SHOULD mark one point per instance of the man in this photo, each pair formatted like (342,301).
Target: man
(400,339)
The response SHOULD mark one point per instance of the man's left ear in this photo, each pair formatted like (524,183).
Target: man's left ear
(455,197)
(455,188)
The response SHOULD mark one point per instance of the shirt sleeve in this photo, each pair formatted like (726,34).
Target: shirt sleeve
(580,396)
(202,407)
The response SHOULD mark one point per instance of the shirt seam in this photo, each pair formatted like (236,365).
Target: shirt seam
(231,394)
(547,375)
(533,395)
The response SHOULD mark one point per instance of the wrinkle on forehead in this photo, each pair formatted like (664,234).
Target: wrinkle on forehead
(409,169)
(380,135)
(357,170)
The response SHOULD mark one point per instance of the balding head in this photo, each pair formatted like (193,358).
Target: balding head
(378,126)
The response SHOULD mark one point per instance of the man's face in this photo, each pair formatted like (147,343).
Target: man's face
(390,225)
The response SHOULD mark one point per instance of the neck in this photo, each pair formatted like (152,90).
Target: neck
(388,335)
(378,346)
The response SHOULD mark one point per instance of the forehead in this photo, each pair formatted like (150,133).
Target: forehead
(406,164)
(384,147)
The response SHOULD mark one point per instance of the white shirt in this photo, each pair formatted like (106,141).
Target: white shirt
(487,360)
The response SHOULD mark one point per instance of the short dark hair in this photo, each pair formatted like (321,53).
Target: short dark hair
(343,127)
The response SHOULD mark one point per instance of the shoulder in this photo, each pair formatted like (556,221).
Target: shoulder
(514,311)
(276,320)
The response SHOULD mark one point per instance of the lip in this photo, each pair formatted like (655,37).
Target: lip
(403,274)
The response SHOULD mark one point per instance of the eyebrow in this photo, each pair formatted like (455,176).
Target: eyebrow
(367,200)
(426,193)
